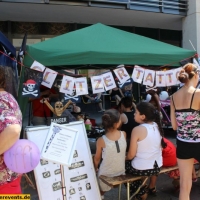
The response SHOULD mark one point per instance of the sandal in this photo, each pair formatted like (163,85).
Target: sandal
(152,191)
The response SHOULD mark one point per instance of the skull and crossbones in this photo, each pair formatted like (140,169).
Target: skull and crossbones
(30,84)
(59,108)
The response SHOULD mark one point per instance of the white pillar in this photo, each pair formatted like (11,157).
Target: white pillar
(191,26)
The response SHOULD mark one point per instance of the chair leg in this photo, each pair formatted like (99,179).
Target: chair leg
(143,183)
(120,189)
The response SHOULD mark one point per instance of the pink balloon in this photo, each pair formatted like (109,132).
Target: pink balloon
(22,157)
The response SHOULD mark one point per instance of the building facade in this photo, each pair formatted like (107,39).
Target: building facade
(171,21)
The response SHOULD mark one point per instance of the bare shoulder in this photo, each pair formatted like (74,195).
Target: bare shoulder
(124,133)
(138,129)
(100,142)
(197,91)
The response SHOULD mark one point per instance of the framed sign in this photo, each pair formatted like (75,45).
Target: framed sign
(80,176)
(60,144)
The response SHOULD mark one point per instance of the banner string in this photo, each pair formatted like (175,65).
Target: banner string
(167,65)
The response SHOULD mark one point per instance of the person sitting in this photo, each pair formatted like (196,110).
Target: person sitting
(144,157)
(95,98)
(127,118)
(111,147)
(128,90)
(116,94)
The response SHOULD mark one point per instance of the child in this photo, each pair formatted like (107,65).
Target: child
(116,94)
(127,118)
(111,148)
(144,157)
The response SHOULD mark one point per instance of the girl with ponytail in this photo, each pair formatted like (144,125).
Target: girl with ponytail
(111,149)
(144,157)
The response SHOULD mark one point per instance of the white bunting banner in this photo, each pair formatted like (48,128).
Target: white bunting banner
(97,84)
(81,86)
(170,77)
(108,81)
(49,77)
(138,74)
(37,66)
(160,79)
(149,77)
(196,63)
(176,72)
(67,85)
(121,74)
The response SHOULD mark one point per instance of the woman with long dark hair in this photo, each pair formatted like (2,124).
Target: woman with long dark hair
(144,157)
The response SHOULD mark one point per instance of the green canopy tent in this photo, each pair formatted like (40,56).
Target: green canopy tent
(101,44)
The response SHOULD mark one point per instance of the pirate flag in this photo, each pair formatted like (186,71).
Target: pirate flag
(32,82)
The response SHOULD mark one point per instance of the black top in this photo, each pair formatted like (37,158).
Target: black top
(128,127)
(115,92)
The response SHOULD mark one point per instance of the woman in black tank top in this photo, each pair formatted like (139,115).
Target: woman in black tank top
(185,117)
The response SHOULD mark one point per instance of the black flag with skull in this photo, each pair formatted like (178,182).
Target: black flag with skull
(32,82)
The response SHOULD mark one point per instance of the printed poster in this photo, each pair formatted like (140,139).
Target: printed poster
(160,79)
(37,66)
(170,77)
(121,74)
(81,86)
(108,81)
(67,85)
(49,77)
(80,176)
(97,84)
(138,74)
(59,145)
(149,76)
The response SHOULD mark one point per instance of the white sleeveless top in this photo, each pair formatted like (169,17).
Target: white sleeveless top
(113,163)
(149,150)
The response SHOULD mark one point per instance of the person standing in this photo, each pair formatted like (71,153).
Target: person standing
(40,112)
(10,128)
(185,117)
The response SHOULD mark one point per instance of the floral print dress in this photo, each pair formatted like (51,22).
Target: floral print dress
(9,114)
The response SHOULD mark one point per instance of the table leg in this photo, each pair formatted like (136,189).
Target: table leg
(128,191)
(120,189)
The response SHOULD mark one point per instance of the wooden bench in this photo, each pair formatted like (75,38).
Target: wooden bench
(119,180)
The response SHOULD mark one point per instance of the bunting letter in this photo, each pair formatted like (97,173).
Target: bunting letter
(149,78)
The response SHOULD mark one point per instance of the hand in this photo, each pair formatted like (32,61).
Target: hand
(45,99)
(46,93)
(77,109)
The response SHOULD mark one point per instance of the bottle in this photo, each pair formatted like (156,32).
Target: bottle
(88,125)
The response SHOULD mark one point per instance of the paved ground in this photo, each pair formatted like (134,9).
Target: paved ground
(165,189)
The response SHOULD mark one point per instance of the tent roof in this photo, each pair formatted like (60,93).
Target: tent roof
(7,45)
(101,44)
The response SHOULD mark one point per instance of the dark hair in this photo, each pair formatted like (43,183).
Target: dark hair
(187,72)
(2,77)
(127,102)
(109,118)
(151,115)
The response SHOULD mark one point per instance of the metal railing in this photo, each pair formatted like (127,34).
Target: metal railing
(177,7)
